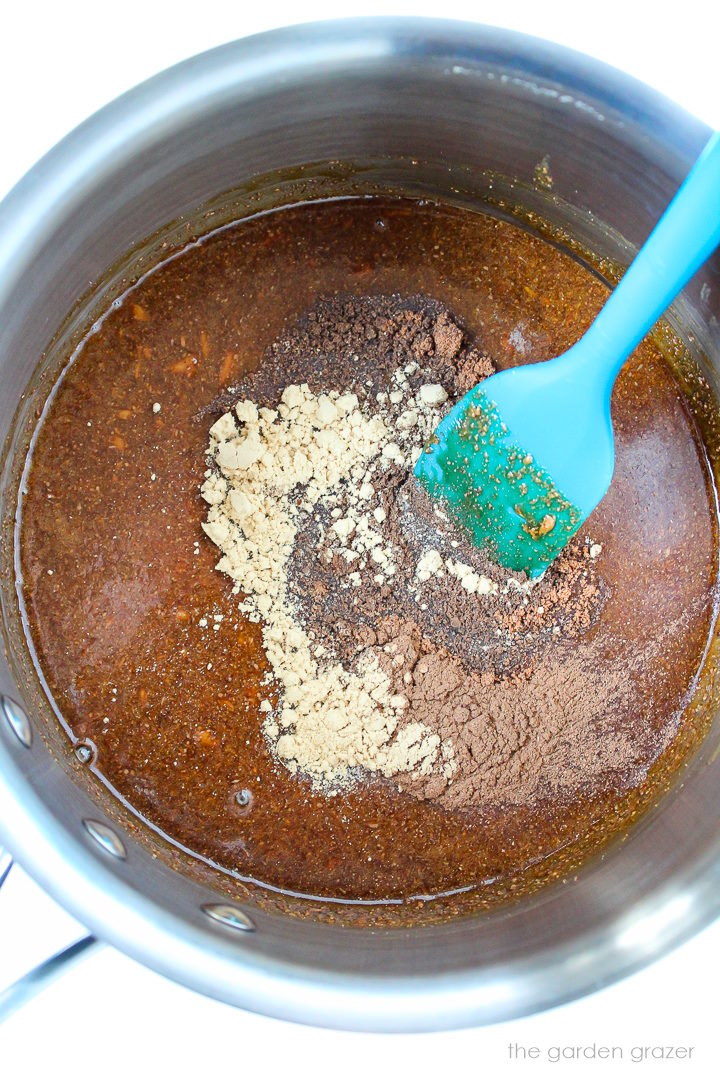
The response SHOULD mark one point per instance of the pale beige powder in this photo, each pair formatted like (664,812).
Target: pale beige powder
(269,468)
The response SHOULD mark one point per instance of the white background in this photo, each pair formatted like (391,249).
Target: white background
(109,1017)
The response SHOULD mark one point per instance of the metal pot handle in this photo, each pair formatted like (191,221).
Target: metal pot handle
(27,986)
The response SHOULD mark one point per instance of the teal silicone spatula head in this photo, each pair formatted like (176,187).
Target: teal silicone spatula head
(523,459)
(522,505)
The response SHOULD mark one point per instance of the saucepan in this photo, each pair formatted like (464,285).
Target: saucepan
(439,109)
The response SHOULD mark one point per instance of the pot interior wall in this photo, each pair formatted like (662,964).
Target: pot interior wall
(444,113)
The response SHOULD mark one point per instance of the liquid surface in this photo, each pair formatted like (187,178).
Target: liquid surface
(117,573)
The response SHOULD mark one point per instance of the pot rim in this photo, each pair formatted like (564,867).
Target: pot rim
(60,862)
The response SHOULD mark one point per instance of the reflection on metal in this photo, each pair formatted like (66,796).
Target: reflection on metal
(5,864)
(19,993)
(17,720)
(25,988)
(106,838)
(646,932)
(230,916)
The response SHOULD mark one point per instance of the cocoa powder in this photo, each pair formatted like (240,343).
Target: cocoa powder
(544,731)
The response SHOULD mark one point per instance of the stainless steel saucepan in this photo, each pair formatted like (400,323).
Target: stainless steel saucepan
(442,109)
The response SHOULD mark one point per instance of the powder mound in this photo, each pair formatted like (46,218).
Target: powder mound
(537,734)
(272,466)
(489,618)
(395,647)
(356,343)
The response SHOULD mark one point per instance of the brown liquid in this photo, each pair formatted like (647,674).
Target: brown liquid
(172,709)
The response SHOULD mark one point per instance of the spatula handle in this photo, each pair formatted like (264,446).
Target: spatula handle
(687,233)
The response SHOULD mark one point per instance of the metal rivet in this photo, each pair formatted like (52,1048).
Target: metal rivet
(244,801)
(17,720)
(104,836)
(229,915)
(85,752)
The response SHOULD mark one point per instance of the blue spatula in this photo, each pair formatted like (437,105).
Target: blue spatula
(523,459)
